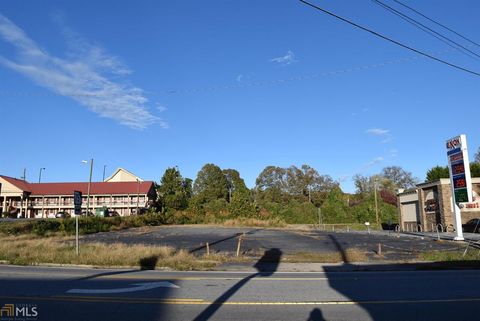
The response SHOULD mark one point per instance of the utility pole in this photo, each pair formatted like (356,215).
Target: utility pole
(376,203)
(24,177)
(104,166)
(319,217)
(89,185)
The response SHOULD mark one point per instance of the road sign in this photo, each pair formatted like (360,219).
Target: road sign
(77,202)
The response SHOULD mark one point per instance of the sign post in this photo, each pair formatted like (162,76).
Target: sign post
(77,202)
(460,179)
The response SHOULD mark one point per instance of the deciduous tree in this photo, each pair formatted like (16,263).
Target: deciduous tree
(210,184)
(400,177)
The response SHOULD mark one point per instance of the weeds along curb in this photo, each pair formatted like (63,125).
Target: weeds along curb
(87,266)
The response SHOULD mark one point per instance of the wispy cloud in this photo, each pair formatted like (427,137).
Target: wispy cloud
(377,131)
(287,59)
(393,153)
(239,78)
(375,161)
(364,110)
(160,107)
(88,75)
(370,164)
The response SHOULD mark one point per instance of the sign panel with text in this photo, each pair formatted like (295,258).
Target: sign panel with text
(459,168)
(77,202)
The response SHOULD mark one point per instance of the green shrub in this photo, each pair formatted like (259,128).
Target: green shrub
(87,225)
(42,227)
(14,228)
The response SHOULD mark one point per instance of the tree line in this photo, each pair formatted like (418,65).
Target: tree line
(290,194)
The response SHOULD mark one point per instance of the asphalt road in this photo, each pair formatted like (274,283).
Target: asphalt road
(96,294)
(257,240)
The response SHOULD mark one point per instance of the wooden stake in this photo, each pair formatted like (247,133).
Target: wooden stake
(208,248)
(238,245)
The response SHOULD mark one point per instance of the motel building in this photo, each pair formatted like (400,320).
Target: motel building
(429,206)
(123,192)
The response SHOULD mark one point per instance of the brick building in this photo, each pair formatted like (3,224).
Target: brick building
(430,204)
(122,192)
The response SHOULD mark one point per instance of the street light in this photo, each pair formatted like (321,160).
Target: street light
(89,183)
(104,166)
(376,203)
(39,174)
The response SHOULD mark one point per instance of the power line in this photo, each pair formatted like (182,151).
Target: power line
(436,22)
(424,28)
(391,40)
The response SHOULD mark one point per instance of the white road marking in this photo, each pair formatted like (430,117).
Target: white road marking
(137,287)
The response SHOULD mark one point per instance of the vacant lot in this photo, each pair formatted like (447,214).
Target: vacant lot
(295,243)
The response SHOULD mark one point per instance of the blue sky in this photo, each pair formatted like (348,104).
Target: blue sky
(147,85)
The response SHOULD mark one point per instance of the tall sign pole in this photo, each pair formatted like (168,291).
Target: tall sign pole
(460,179)
(77,202)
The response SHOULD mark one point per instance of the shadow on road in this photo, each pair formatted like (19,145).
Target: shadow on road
(266,266)
(316,315)
(405,296)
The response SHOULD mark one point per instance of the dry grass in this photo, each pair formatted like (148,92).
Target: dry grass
(253,222)
(351,255)
(32,250)
(29,250)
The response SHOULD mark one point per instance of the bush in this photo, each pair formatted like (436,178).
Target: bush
(43,227)
(87,225)
(14,228)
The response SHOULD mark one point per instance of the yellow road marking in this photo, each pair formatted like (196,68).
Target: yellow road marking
(116,298)
(185,301)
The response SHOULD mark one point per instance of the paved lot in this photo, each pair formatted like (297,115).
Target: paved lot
(258,240)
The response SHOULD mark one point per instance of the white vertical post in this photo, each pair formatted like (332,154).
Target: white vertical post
(458,223)
(76,234)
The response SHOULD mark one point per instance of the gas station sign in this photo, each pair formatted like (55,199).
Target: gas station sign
(459,168)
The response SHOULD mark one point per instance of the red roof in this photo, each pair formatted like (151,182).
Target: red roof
(96,188)
(21,184)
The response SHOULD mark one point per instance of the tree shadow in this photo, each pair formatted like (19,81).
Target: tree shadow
(339,248)
(99,275)
(266,266)
(202,247)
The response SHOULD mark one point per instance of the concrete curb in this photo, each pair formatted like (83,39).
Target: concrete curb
(293,267)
